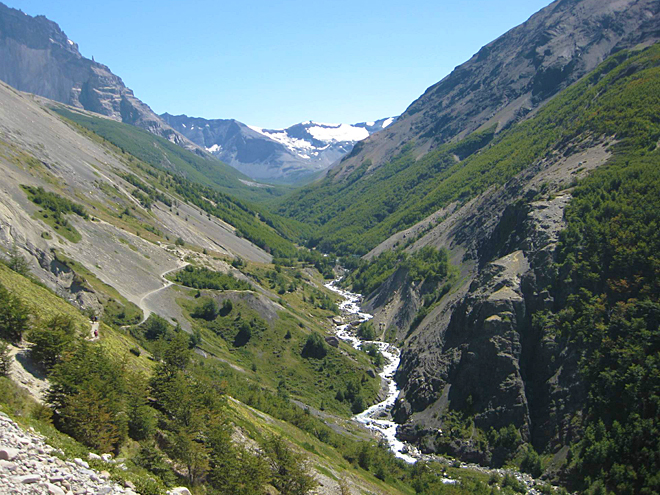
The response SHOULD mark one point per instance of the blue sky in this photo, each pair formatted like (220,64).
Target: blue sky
(276,63)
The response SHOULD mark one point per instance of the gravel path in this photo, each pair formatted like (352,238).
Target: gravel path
(27,466)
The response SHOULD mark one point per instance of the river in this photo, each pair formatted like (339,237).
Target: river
(378,416)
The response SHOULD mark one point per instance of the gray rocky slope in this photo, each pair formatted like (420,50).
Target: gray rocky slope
(281,155)
(511,77)
(37,148)
(37,57)
(28,466)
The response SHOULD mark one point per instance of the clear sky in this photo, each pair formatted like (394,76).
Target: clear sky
(276,63)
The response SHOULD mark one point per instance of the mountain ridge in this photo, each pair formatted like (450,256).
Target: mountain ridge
(39,58)
(509,78)
(288,155)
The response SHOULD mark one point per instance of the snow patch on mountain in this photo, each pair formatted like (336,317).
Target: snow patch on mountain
(281,136)
(338,133)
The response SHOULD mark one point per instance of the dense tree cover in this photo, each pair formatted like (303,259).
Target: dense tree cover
(353,216)
(14,316)
(203,278)
(428,265)
(607,288)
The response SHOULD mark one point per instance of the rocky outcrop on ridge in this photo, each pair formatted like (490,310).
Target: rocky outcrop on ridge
(37,57)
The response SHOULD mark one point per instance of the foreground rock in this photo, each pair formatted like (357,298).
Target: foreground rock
(28,466)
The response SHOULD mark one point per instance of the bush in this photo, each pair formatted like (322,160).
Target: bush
(16,261)
(531,463)
(314,347)
(207,310)
(155,327)
(288,468)
(358,405)
(244,335)
(87,393)
(203,278)
(366,331)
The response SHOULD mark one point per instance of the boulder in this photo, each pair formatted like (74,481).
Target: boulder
(54,489)
(8,453)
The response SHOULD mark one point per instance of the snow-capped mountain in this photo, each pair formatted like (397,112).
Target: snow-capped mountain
(276,155)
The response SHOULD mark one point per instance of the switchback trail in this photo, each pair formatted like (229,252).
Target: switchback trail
(143,301)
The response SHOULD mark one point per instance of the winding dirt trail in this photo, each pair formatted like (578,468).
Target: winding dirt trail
(143,301)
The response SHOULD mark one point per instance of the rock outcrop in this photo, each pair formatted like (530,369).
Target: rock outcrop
(478,351)
(37,57)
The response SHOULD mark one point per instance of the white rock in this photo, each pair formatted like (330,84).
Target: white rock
(106,457)
(28,479)
(9,466)
(54,489)
(104,490)
(81,463)
(180,490)
(94,457)
(8,454)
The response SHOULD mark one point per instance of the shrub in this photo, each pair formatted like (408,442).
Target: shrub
(207,310)
(314,347)
(288,468)
(366,331)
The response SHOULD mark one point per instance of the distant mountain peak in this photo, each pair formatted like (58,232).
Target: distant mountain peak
(282,155)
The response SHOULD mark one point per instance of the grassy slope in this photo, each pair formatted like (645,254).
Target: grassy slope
(161,153)
(184,175)
(354,215)
(45,304)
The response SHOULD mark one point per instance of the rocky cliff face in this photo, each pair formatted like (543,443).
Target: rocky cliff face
(36,56)
(512,76)
(478,352)
(282,155)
